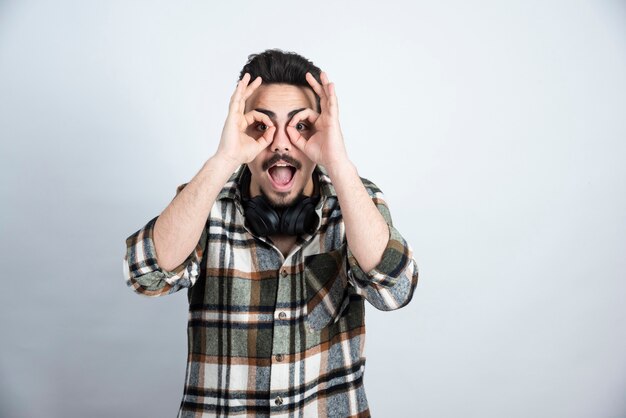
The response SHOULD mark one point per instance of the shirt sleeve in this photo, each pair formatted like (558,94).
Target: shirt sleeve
(144,275)
(389,285)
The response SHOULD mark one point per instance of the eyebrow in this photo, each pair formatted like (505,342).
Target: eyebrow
(272,115)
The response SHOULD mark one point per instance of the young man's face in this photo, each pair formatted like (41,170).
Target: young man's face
(281,172)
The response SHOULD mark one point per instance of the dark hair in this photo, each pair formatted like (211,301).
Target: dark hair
(276,66)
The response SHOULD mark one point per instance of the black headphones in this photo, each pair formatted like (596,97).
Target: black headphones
(263,220)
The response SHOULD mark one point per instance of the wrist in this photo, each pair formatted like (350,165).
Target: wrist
(340,167)
(225,162)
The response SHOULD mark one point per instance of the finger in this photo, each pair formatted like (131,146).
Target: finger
(299,138)
(248,89)
(266,139)
(325,82)
(256,116)
(329,89)
(308,115)
(315,85)
(236,97)
(333,106)
(241,84)
(296,138)
(323,91)
(251,88)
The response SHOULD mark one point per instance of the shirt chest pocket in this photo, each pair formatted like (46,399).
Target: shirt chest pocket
(327,288)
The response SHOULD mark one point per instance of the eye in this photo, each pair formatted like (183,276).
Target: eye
(262,127)
(302,126)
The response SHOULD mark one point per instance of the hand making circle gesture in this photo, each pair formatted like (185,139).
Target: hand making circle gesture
(235,144)
(325,145)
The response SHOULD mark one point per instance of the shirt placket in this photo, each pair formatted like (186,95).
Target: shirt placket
(283,317)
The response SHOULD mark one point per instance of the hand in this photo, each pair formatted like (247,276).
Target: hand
(235,144)
(325,144)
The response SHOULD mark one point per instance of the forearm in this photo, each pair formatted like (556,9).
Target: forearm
(367,232)
(179,227)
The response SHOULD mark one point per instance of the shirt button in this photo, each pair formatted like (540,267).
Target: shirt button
(283,272)
(282,315)
(278,400)
(279,357)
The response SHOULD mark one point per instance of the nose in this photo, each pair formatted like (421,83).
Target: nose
(281,142)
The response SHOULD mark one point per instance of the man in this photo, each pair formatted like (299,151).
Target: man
(278,257)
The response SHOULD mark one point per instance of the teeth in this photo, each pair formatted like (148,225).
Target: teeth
(282,165)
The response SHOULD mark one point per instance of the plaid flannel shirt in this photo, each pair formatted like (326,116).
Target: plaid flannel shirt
(270,335)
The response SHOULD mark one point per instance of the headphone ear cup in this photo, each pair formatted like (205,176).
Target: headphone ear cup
(261,218)
(311,220)
(300,218)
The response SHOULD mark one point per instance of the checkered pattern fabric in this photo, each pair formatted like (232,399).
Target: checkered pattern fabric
(271,335)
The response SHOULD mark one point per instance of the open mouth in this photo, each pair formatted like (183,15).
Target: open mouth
(282,175)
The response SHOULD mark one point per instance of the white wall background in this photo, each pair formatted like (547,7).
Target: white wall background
(496,129)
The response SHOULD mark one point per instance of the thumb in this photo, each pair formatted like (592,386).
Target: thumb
(267,138)
(296,138)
